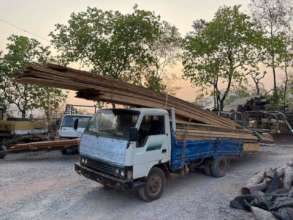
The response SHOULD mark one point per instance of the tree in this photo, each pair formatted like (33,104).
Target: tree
(257,76)
(22,50)
(50,100)
(273,16)
(165,53)
(286,60)
(3,87)
(129,47)
(220,51)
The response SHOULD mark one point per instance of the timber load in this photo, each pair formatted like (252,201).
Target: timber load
(52,145)
(196,131)
(95,87)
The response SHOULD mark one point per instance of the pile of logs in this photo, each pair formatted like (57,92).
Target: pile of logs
(268,194)
(94,87)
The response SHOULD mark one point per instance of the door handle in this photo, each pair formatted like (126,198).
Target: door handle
(164,151)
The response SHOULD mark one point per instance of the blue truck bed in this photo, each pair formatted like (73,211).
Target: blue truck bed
(185,152)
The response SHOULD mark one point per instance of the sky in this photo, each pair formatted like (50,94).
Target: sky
(36,18)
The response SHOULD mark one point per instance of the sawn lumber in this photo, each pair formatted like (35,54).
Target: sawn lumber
(92,86)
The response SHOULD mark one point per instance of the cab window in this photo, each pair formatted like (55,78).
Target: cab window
(151,125)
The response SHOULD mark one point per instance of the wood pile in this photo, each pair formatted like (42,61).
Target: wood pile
(94,87)
(195,131)
(58,144)
(268,194)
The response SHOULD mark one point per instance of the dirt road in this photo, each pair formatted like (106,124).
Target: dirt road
(44,186)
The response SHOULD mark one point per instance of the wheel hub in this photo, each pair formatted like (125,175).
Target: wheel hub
(154,185)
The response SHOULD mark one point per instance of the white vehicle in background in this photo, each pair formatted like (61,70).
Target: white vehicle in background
(73,126)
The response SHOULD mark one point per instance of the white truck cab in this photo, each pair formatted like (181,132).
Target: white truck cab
(69,130)
(122,146)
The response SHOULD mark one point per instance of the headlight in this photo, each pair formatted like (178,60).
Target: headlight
(117,171)
(129,174)
(122,173)
(83,160)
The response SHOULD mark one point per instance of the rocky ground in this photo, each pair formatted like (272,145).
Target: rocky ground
(45,186)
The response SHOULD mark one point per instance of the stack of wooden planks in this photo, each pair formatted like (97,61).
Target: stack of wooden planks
(187,130)
(92,86)
(57,144)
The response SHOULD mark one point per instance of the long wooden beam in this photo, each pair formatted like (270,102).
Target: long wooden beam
(114,91)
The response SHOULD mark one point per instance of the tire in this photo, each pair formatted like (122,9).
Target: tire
(2,151)
(154,186)
(2,155)
(69,151)
(207,167)
(219,167)
(107,187)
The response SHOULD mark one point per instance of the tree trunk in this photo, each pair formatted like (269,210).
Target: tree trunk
(215,99)
(257,88)
(272,53)
(23,113)
(285,87)
(274,75)
(221,107)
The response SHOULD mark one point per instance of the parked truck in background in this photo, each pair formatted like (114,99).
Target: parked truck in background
(68,129)
(72,126)
(17,130)
(137,149)
(23,135)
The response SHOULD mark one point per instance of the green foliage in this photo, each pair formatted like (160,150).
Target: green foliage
(274,17)
(3,87)
(22,50)
(129,47)
(50,100)
(220,51)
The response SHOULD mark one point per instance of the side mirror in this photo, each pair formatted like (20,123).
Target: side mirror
(75,126)
(133,134)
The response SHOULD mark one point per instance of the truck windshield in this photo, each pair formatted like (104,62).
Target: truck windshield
(68,121)
(113,123)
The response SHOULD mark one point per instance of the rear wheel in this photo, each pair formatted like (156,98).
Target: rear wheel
(70,151)
(2,151)
(154,185)
(218,167)
(108,186)
(207,167)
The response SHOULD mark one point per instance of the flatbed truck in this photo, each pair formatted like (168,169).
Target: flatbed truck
(137,149)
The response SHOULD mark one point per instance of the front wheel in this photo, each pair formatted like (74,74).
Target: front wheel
(154,185)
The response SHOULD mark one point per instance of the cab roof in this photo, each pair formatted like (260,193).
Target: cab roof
(143,110)
(150,110)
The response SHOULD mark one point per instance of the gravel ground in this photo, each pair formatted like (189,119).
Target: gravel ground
(44,186)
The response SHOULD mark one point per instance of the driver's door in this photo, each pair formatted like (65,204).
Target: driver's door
(151,145)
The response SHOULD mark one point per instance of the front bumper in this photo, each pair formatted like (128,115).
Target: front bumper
(96,175)
(106,178)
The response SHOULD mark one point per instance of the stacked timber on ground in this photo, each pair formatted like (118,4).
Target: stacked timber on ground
(94,87)
(57,144)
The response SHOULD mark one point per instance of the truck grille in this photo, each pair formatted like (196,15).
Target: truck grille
(101,166)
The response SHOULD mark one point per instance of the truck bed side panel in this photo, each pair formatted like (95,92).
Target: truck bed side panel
(185,152)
